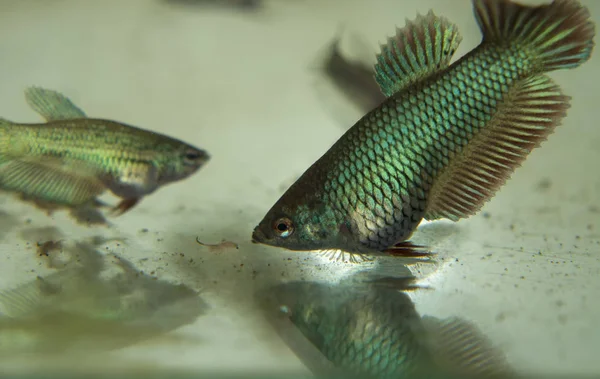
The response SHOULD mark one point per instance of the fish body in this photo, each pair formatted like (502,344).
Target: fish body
(447,137)
(71,159)
(372,331)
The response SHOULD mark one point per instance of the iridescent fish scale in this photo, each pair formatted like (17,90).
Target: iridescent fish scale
(462,112)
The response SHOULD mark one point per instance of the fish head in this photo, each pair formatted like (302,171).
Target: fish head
(180,162)
(300,224)
(305,304)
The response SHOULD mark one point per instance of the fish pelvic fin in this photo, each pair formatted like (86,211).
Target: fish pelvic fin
(50,180)
(52,105)
(556,36)
(460,348)
(529,114)
(419,49)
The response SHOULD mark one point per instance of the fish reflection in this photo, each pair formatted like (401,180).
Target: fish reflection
(356,328)
(95,303)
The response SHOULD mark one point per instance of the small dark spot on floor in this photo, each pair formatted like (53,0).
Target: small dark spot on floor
(544,184)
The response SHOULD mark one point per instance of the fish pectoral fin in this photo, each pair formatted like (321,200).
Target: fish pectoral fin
(460,348)
(526,117)
(420,49)
(52,105)
(51,180)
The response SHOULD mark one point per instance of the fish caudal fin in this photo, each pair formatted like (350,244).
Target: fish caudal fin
(530,112)
(461,349)
(556,36)
(420,49)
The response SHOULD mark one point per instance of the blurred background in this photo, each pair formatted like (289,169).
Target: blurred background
(266,87)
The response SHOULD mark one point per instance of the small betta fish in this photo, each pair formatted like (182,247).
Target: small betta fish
(70,160)
(372,331)
(447,137)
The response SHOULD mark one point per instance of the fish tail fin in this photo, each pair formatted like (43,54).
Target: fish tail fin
(556,36)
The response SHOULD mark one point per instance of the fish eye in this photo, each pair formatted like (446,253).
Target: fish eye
(283,227)
(193,156)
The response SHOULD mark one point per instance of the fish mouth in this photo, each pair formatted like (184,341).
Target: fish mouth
(258,236)
(205,157)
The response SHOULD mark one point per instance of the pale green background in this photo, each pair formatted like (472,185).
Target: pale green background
(244,87)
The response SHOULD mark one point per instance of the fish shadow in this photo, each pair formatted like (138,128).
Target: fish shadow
(238,6)
(7,223)
(95,302)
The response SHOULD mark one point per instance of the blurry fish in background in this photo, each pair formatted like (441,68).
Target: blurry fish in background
(371,330)
(242,5)
(446,139)
(353,78)
(95,303)
(70,160)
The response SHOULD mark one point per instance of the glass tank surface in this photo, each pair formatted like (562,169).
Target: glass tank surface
(145,144)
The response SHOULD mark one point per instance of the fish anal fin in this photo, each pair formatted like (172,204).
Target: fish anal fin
(52,105)
(419,49)
(527,116)
(460,348)
(50,180)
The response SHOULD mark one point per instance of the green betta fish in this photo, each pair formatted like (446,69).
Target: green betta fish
(446,138)
(369,330)
(71,160)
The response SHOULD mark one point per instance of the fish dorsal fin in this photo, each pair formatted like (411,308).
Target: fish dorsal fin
(460,348)
(52,105)
(420,49)
(528,115)
(51,180)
